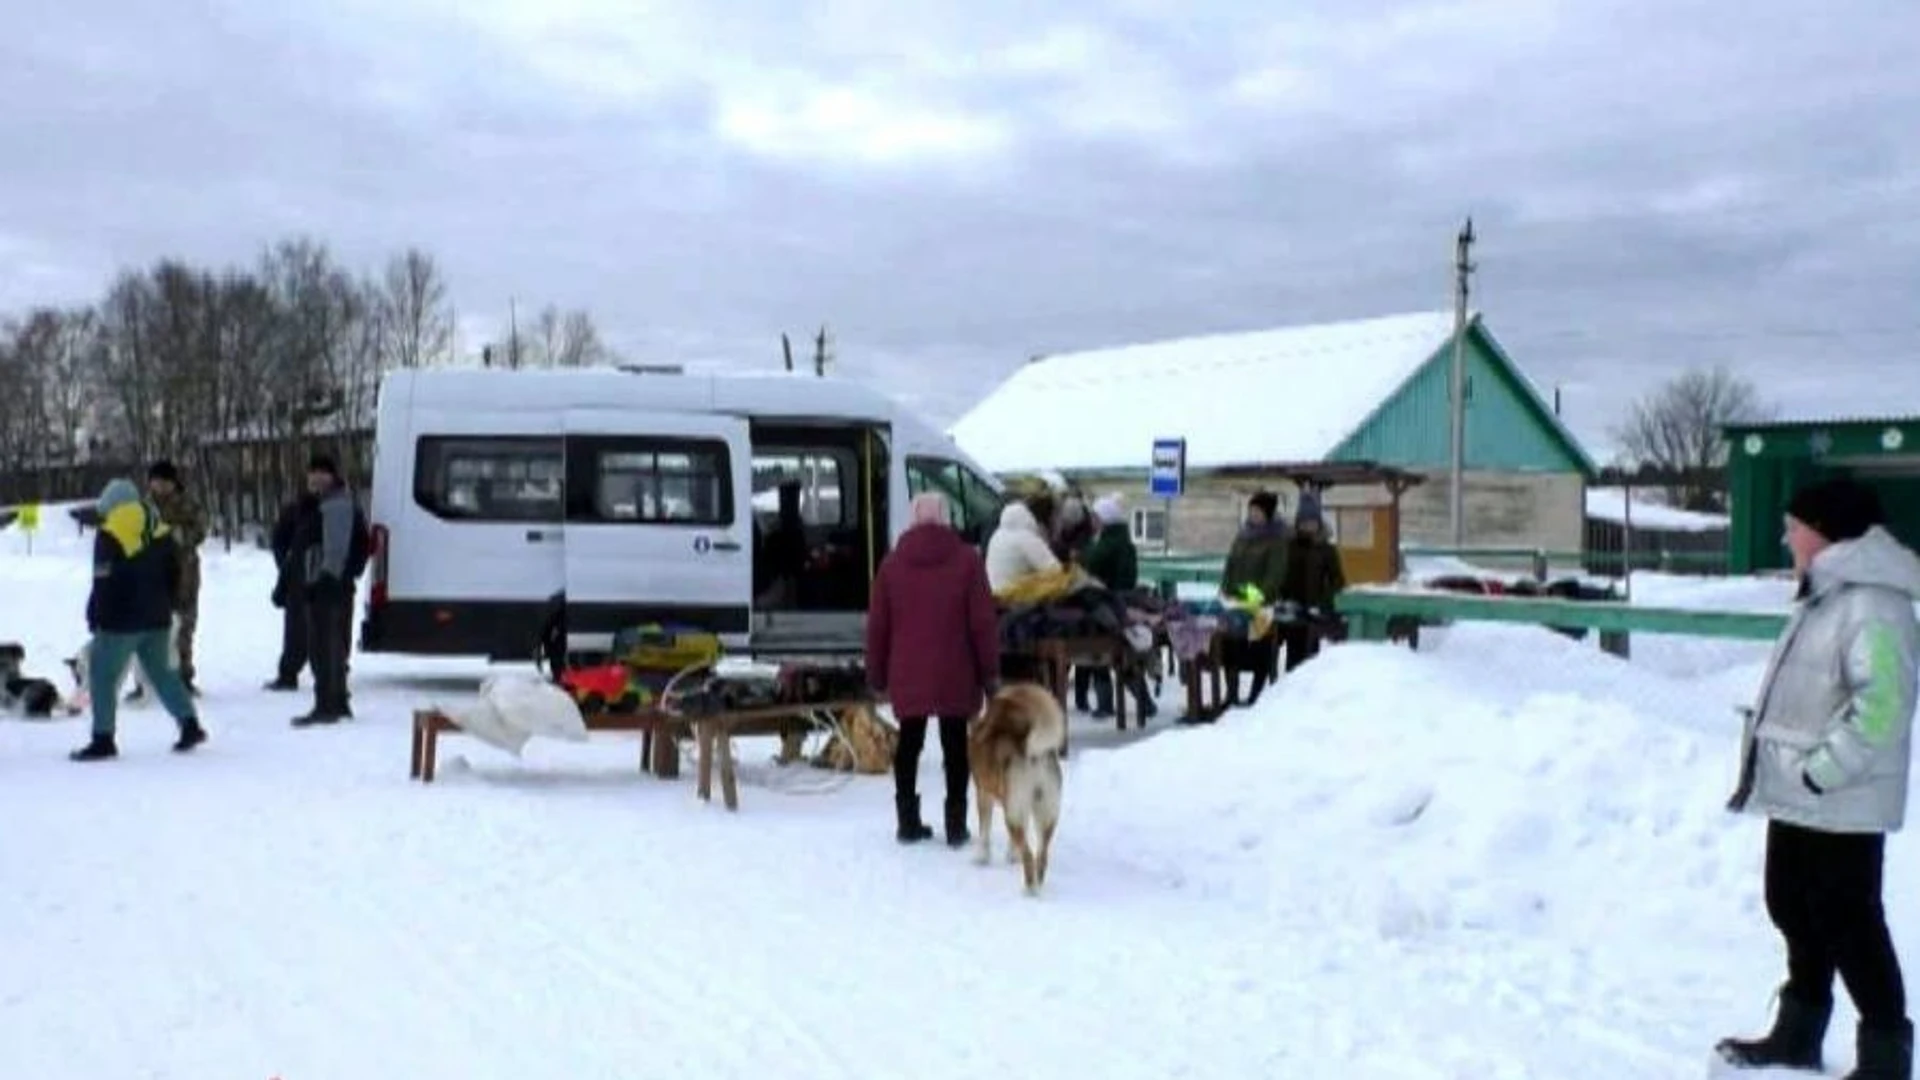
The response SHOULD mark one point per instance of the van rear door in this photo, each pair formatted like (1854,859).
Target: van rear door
(659,524)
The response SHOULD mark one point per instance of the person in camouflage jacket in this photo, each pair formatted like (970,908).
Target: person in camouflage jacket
(186,519)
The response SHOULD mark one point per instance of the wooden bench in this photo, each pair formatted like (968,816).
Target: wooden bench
(660,733)
(658,757)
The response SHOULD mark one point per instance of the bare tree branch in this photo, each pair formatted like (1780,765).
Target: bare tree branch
(1679,426)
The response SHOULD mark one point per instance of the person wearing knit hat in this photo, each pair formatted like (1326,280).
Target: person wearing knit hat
(1256,565)
(187,520)
(1314,578)
(130,614)
(1825,759)
(336,530)
(1112,559)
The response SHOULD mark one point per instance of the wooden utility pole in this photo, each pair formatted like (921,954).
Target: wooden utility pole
(1457,472)
(786,348)
(820,355)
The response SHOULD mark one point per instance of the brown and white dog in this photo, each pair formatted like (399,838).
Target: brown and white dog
(1013,750)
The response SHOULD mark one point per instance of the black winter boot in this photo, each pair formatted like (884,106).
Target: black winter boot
(1799,1030)
(191,735)
(910,830)
(1883,1053)
(99,748)
(956,821)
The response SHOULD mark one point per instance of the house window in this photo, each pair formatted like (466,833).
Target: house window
(489,479)
(1149,526)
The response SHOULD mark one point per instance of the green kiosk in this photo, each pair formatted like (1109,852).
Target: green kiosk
(1767,462)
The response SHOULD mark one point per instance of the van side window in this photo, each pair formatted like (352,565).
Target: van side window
(818,471)
(651,481)
(508,478)
(973,508)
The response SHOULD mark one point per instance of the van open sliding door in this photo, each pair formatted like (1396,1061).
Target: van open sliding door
(659,524)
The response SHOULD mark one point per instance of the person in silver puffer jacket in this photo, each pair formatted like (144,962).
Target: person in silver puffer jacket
(1825,758)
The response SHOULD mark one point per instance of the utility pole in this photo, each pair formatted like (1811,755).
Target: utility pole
(1457,473)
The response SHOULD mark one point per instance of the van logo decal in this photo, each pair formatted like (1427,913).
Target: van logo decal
(702,544)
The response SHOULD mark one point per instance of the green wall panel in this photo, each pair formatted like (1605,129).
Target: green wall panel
(1505,430)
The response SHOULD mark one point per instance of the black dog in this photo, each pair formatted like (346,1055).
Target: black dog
(35,699)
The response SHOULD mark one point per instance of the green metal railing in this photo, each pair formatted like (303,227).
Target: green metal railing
(1370,608)
(1541,563)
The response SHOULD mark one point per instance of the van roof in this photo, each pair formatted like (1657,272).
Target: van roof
(742,393)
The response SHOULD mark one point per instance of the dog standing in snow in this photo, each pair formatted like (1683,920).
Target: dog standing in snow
(1014,750)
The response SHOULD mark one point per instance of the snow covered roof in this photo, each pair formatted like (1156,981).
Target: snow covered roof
(1610,504)
(1273,395)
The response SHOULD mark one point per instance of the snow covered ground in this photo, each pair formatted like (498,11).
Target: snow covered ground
(1504,857)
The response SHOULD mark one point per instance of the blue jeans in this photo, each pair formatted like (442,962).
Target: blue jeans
(107,665)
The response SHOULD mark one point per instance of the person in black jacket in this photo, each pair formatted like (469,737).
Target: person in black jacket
(294,528)
(136,573)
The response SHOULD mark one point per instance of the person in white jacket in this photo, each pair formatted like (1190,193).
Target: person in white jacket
(1019,547)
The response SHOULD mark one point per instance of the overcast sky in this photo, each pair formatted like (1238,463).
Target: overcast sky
(953,187)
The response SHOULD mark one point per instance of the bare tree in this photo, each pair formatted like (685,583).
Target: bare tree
(568,340)
(74,364)
(1679,427)
(413,304)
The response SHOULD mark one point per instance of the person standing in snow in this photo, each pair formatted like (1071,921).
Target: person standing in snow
(329,548)
(1825,757)
(1112,558)
(1258,558)
(130,614)
(295,525)
(1313,579)
(933,648)
(187,521)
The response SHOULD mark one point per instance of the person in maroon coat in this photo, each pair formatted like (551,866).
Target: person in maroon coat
(933,648)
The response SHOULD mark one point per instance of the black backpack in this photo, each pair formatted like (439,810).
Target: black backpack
(359,545)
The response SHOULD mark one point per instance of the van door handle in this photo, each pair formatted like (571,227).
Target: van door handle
(726,545)
(535,536)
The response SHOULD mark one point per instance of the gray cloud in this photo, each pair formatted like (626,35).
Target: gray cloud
(1655,183)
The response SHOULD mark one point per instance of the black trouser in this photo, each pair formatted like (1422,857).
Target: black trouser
(329,639)
(953,757)
(1244,655)
(293,636)
(1302,644)
(1823,892)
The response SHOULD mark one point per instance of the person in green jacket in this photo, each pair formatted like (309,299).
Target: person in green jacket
(1111,557)
(1257,559)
